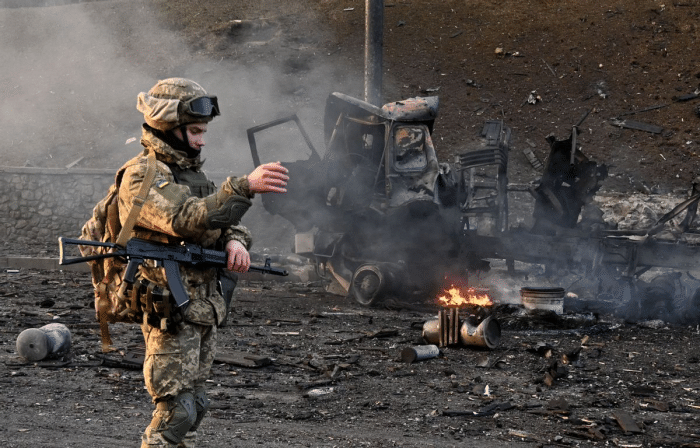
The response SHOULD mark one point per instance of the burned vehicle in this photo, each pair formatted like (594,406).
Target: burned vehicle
(381,215)
(378,211)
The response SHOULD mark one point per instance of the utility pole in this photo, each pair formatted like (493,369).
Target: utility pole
(374,46)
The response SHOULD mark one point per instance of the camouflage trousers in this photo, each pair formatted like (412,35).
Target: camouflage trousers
(174,364)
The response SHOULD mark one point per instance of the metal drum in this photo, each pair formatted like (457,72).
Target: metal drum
(551,299)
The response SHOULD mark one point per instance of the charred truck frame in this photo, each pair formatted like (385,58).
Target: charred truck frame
(382,216)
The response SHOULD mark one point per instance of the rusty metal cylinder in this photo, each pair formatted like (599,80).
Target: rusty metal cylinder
(486,333)
(431,331)
(444,330)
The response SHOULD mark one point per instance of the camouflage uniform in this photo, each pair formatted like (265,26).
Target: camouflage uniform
(177,365)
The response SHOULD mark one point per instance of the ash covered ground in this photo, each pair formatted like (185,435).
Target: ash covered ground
(331,375)
(335,378)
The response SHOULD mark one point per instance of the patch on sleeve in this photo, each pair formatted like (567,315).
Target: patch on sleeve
(162,183)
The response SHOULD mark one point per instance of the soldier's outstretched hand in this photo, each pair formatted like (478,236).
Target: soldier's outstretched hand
(269,177)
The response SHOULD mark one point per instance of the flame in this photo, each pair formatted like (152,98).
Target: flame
(456,299)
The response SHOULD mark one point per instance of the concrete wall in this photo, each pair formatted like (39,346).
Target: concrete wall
(37,205)
(40,204)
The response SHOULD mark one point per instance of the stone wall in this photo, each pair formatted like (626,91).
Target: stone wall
(37,205)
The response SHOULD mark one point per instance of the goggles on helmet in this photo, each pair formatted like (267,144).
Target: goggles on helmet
(203,106)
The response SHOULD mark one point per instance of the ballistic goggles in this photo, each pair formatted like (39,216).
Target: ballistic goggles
(203,106)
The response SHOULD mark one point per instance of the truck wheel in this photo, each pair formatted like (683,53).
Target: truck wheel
(368,284)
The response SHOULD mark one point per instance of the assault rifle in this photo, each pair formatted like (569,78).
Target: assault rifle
(168,256)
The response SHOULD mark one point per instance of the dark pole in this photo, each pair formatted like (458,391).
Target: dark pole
(374,45)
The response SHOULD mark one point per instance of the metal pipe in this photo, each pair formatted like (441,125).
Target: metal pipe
(486,333)
(374,45)
(51,340)
(419,353)
(470,332)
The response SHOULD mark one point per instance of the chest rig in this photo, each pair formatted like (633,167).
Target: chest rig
(197,181)
(148,299)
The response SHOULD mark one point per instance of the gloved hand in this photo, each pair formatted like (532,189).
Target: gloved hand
(269,177)
(238,257)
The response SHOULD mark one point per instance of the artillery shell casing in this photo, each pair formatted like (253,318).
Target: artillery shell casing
(419,353)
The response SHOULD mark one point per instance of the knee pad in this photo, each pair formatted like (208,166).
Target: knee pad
(175,417)
(202,405)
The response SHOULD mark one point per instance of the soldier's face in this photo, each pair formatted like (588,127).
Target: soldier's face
(195,134)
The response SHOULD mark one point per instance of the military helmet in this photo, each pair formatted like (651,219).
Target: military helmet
(175,102)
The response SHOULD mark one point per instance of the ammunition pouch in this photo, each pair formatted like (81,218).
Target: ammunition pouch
(151,304)
(229,213)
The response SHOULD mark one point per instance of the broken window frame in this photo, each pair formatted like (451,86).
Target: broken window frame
(381,162)
(394,148)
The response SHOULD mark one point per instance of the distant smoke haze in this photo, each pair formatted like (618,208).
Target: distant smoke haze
(71,73)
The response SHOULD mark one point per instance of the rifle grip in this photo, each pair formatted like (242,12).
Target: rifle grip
(131,269)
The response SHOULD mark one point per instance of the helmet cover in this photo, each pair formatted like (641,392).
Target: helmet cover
(167,104)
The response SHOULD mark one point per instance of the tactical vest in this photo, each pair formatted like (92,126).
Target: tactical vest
(201,187)
(197,181)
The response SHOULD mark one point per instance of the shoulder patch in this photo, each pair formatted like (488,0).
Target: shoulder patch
(162,183)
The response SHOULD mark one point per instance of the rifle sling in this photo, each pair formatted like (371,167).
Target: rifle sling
(122,238)
(138,200)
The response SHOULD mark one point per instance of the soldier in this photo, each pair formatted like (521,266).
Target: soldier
(183,205)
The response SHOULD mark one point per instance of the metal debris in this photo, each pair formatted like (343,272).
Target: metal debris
(74,163)
(688,97)
(533,159)
(627,423)
(637,125)
(419,353)
(242,359)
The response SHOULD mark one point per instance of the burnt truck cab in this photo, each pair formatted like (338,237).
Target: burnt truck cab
(376,198)
(382,159)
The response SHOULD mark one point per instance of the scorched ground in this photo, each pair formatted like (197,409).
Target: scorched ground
(329,374)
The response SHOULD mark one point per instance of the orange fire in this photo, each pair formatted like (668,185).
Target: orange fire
(472,298)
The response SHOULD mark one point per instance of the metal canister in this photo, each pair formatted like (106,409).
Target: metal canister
(52,340)
(419,353)
(543,298)
(486,333)
(431,331)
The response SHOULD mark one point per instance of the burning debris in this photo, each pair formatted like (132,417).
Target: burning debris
(341,361)
(379,195)
(473,297)
(475,326)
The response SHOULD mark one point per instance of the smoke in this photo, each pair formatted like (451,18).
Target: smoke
(71,74)
(661,294)
(65,89)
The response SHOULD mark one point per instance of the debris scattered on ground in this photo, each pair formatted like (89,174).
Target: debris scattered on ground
(600,381)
